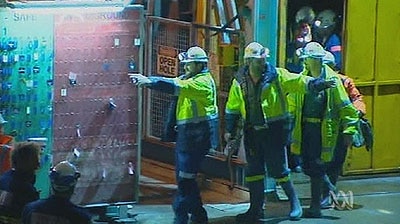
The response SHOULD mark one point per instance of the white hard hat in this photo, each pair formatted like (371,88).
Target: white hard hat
(311,50)
(305,15)
(325,19)
(255,50)
(196,54)
(64,176)
(2,121)
(328,58)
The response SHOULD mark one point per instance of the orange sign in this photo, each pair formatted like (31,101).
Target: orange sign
(167,62)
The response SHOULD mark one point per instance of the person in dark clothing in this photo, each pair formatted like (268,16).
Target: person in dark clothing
(58,208)
(324,32)
(17,185)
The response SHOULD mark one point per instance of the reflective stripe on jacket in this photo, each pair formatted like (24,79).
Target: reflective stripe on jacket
(196,109)
(339,113)
(197,96)
(273,96)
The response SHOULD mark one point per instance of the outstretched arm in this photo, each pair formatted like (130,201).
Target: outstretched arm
(300,83)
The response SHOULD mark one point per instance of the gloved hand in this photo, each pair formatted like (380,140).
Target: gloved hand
(330,83)
(140,80)
(320,84)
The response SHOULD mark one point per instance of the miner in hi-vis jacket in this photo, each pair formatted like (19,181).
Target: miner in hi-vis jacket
(319,116)
(195,121)
(258,97)
(335,166)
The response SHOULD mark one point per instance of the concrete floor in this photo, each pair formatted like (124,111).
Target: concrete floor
(382,209)
(376,200)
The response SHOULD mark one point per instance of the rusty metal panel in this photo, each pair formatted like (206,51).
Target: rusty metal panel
(95,106)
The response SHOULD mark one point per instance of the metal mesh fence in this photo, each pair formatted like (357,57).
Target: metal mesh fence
(175,37)
(169,37)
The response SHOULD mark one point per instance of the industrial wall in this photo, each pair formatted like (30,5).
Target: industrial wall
(69,84)
(372,58)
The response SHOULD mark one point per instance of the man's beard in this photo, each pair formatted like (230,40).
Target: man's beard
(258,69)
(190,73)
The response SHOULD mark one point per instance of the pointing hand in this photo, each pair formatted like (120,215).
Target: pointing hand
(139,79)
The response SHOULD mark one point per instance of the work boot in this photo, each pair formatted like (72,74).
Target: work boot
(181,217)
(255,212)
(180,204)
(180,220)
(315,207)
(328,185)
(199,216)
(326,198)
(295,207)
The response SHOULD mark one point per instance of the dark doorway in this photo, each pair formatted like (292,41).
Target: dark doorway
(314,20)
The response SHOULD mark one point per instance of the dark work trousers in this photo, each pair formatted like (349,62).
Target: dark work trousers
(266,148)
(311,147)
(335,166)
(193,143)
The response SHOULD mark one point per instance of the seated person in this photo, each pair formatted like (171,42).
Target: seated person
(58,208)
(17,185)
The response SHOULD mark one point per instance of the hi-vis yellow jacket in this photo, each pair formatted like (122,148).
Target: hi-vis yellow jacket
(197,96)
(193,119)
(276,84)
(339,114)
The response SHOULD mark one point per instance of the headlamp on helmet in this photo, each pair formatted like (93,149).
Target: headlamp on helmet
(196,54)
(325,19)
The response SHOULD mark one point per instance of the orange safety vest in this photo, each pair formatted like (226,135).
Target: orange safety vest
(5,155)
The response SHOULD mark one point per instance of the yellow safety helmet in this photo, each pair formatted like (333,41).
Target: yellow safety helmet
(311,50)
(255,50)
(196,54)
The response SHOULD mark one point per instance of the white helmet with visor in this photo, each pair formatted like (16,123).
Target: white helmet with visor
(196,54)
